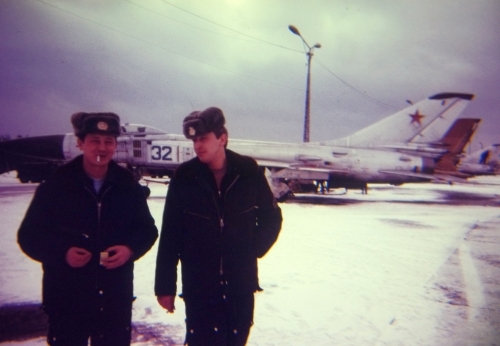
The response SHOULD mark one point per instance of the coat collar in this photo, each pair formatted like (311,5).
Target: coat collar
(236,165)
(73,171)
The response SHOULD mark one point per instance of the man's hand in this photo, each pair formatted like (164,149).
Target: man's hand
(167,302)
(120,254)
(77,257)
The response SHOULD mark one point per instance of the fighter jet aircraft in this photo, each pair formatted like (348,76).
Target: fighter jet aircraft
(397,149)
(356,167)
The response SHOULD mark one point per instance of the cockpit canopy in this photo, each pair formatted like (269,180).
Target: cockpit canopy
(139,129)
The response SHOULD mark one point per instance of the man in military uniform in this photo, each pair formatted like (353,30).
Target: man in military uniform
(87,224)
(220,216)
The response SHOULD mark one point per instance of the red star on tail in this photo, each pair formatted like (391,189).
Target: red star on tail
(415,118)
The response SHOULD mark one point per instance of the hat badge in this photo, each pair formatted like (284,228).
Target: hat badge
(102,125)
(191,131)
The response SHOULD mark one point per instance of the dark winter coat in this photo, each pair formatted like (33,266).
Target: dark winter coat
(66,212)
(213,233)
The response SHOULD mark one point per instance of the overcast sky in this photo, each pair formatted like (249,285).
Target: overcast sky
(155,61)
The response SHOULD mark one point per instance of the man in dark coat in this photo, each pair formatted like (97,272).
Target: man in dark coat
(87,224)
(220,216)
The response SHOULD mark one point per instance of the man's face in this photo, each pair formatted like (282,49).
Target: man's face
(97,149)
(208,147)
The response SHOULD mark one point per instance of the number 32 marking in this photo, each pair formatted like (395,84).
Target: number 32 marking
(161,153)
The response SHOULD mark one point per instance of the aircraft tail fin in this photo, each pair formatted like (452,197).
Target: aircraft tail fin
(421,123)
(454,141)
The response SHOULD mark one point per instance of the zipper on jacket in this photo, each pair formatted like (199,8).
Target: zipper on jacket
(99,207)
(225,194)
(99,214)
(221,217)
(230,186)
(221,220)
(221,224)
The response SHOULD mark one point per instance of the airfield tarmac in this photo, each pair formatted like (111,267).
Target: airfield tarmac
(417,264)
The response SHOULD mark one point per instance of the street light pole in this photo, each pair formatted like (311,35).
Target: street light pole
(309,54)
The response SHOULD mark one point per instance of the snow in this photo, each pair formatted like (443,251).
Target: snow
(417,264)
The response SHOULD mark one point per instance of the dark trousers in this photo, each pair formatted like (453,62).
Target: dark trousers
(220,321)
(104,328)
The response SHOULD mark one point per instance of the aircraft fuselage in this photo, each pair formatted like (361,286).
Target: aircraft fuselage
(161,153)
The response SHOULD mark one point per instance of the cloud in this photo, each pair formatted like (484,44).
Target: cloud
(155,61)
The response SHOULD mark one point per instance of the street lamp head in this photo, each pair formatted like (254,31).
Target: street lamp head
(309,54)
(294,30)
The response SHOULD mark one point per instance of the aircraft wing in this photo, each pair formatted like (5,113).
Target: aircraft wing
(271,163)
(416,150)
(424,176)
(408,174)
(450,179)
(301,167)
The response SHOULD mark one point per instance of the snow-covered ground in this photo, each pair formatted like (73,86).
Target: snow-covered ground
(417,264)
